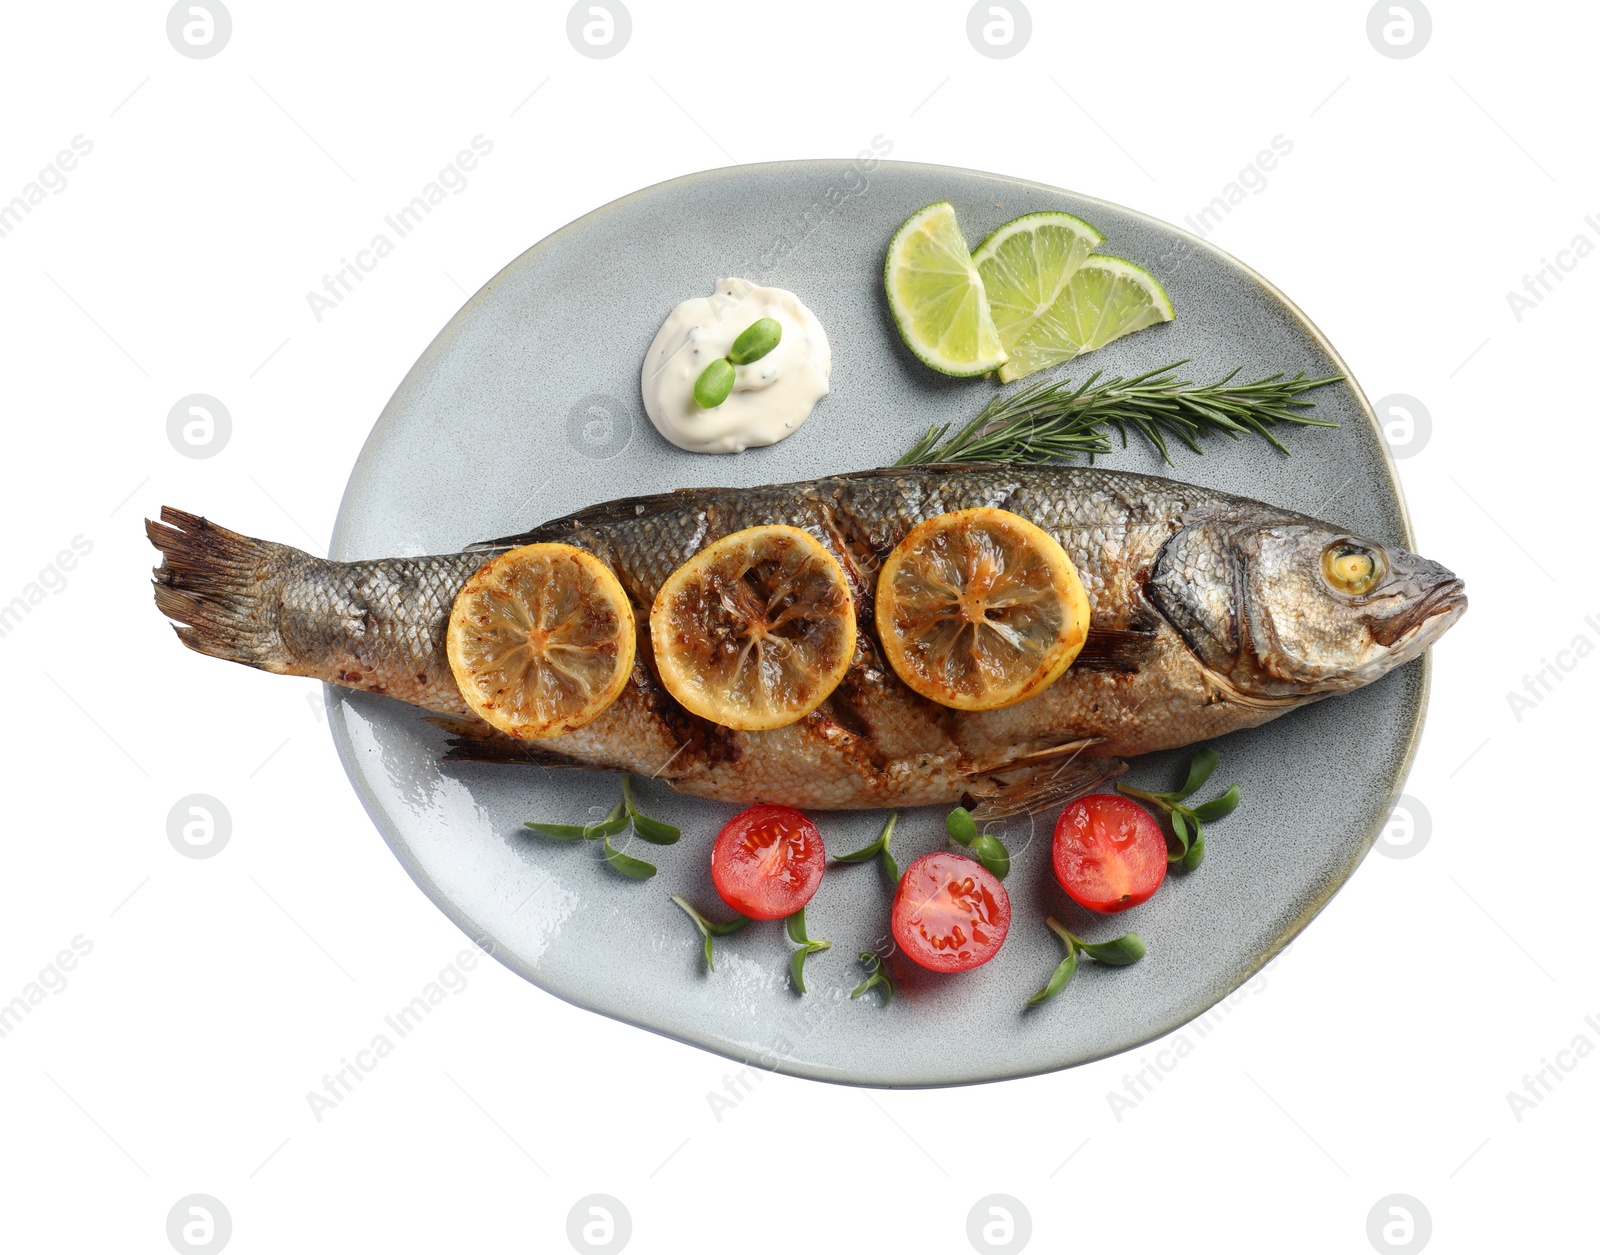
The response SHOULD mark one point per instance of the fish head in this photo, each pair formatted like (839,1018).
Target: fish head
(1293,607)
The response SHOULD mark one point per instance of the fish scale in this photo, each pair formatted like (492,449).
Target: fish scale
(1156,673)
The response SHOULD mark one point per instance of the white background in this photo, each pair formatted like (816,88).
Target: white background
(1374,1058)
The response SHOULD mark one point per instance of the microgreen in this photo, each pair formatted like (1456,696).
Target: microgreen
(617,820)
(652,830)
(1118,952)
(1188,846)
(1065,970)
(986,848)
(710,928)
(879,849)
(632,868)
(715,383)
(612,824)
(878,976)
(756,341)
(796,926)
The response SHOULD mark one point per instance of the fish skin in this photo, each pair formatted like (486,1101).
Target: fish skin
(1187,583)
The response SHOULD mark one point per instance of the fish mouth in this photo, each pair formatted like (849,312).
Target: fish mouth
(1423,622)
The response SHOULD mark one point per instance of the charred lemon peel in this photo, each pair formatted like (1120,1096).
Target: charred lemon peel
(756,630)
(541,640)
(979,609)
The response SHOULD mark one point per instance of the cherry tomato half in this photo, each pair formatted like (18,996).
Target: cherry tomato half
(1109,853)
(767,861)
(950,913)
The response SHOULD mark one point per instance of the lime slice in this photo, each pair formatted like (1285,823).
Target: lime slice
(1107,298)
(1027,263)
(936,295)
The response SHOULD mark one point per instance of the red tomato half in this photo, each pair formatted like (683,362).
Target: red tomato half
(767,861)
(950,913)
(1109,853)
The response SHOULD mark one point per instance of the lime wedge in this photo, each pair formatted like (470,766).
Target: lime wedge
(1027,263)
(936,295)
(1107,298)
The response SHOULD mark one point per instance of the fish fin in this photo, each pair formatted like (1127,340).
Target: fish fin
(627,508)
(623,508)
(217,588)
(466,727)
(1045,787)
(1114,649)
(473,741)
(1008,762)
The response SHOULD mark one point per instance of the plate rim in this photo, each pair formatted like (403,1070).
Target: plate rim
(1192,1008)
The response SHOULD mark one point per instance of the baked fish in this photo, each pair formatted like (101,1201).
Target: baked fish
(1209,613)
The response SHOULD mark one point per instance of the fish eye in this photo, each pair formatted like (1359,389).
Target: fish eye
(1351,569)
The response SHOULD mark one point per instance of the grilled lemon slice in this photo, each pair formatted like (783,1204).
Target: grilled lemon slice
(755,630)
(980,609)
(541,640)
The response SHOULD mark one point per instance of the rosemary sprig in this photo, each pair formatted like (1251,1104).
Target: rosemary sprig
(1048,421)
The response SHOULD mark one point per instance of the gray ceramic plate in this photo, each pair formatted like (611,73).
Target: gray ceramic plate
(526,407)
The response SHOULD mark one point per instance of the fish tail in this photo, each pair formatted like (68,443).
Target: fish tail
(220,588)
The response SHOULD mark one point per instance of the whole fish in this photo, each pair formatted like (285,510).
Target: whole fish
(1209,613)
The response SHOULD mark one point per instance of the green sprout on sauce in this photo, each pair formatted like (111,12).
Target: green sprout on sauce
(754,342)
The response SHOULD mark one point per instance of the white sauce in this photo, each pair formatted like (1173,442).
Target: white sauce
(771,397)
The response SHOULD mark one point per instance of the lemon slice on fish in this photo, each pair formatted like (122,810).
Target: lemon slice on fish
(936,295)
(1027,263)
(980,609)
(755,630)
(541,640)
(1105,299)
